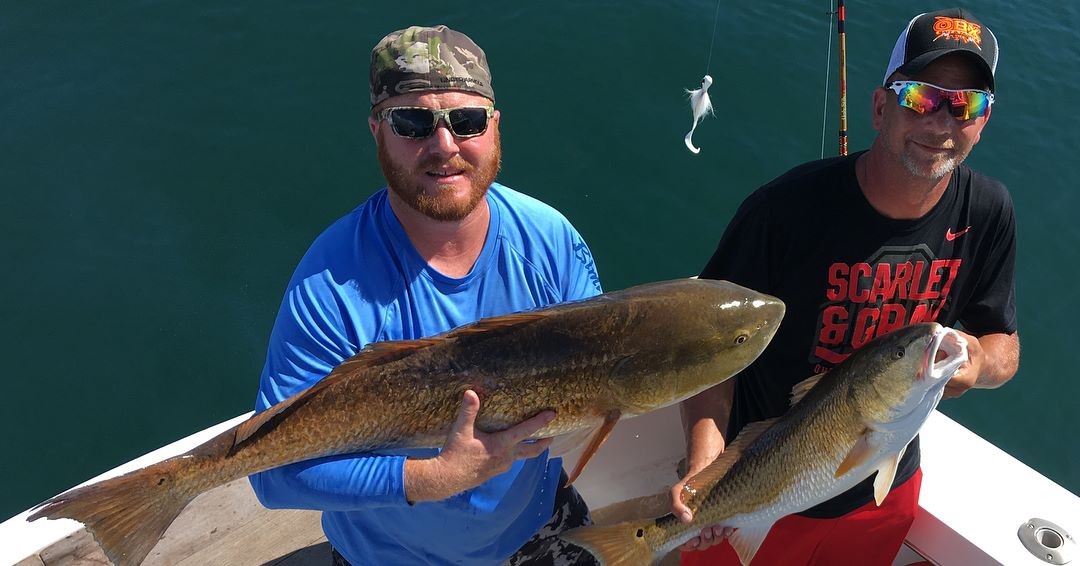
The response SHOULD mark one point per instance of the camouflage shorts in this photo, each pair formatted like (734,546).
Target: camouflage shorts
(545,548)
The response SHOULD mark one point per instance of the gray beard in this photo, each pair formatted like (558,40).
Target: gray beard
(938,172)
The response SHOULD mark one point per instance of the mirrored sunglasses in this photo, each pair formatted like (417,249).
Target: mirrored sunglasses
(926,98)
(417,122)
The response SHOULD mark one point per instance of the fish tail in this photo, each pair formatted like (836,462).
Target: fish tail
(127,515)
(623,544)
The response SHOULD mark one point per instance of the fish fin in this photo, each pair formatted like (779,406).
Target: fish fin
(256,422)
(886,473)
(858,454)
(623,544)
(126,515)
(703,481)
(750,433)
(601,435)
(747,540)
(646,506)
(566,443)
(803,387)
(378,353)
(497,322)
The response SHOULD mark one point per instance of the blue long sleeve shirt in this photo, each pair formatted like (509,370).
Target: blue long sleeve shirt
(362,281)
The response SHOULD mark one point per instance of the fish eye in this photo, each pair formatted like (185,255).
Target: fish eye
(743,337)
(899,353)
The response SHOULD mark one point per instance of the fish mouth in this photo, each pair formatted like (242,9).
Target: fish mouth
(946,351)
(773,310)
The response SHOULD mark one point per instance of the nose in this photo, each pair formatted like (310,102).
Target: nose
(940,119)
(442,141)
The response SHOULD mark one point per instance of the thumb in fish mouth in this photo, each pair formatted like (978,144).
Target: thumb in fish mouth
(966,375)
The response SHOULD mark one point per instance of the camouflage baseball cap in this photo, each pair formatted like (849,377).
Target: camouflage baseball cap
(428,58)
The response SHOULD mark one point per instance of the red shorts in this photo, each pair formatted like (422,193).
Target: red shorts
(869,535)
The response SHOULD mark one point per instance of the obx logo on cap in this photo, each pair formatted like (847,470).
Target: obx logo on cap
(936,34)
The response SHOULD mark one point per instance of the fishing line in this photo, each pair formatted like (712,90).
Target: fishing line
(712,40)
(828,69)
(700,104)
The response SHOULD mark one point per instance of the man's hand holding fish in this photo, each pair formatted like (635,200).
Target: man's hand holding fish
(470,456)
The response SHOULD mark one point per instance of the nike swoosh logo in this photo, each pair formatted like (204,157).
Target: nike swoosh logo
(950,235)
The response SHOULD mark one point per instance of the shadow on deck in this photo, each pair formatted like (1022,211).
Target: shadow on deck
(225,526)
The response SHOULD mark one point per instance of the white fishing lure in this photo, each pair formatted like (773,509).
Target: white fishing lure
(700,105)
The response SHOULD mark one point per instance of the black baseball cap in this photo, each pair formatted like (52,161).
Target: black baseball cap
(935,34)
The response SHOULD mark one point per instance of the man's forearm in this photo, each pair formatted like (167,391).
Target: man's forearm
(1001,358)
(705,419)
(425,481)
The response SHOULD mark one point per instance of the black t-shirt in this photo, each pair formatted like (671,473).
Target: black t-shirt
(848,274)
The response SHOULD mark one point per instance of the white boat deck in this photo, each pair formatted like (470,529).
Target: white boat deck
(974,500)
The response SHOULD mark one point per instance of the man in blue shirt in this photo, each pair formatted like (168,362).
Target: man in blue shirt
(441,246)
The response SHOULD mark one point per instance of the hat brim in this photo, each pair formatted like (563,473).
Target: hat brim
(916,65)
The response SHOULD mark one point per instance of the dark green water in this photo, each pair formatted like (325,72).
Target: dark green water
(163,165)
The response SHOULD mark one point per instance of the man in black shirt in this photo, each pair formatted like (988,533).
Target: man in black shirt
(861,245)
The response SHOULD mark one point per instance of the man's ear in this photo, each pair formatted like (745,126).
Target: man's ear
(373,125)
(878,100)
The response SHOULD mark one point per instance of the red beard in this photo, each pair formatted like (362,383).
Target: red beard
(401,181)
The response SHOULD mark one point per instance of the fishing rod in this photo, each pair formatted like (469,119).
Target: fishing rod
(840,17)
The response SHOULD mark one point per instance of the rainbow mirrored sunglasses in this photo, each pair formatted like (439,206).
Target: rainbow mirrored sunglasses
(926,98)
(417,122)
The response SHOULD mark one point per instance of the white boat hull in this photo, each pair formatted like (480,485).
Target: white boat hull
(974,499)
